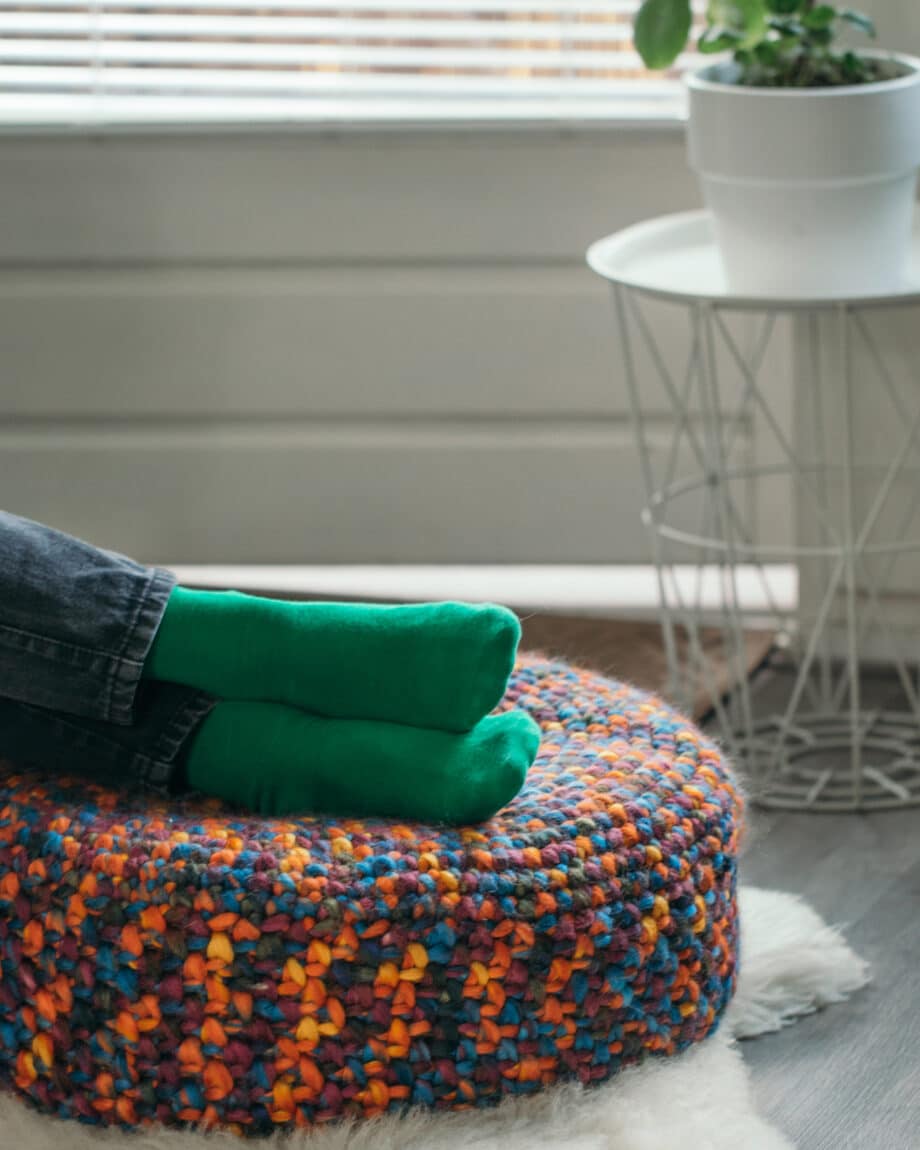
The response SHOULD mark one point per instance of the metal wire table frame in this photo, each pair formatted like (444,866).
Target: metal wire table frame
(828,746)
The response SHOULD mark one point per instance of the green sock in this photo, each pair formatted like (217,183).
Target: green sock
(442,665)
(277,760)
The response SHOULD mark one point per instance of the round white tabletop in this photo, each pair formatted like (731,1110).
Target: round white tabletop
(675,257)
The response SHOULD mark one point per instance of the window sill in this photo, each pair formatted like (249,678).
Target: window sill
(57,116)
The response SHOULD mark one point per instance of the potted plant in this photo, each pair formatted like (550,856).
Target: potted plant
(807,152)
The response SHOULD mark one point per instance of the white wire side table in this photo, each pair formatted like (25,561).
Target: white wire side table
(779,441)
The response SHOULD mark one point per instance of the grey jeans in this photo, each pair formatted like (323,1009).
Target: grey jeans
(76,624)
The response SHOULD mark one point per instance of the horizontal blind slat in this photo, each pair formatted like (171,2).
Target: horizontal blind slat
(214,79)
(437,8)
(318,28)
(63,61)
(85,110)
(167,52)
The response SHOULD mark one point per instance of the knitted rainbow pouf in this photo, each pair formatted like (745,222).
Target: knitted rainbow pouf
(183,963)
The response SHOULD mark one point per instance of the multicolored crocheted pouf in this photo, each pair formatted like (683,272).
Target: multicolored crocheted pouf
(185,963)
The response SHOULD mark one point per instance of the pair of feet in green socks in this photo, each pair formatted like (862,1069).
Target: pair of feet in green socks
(349,709)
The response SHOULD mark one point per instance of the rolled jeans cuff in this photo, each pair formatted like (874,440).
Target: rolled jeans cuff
(126,669)
(76,622)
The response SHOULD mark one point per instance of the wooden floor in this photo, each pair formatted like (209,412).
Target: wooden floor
(847,1078)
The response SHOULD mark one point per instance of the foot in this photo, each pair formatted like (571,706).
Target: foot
(280,761)
(440,665)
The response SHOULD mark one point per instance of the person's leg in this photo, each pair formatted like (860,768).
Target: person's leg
(279,760)
(76,623)
(150,751)
(79,626)
(441,665)
(76,629)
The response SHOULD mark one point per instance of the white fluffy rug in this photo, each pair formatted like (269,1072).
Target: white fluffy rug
(792,963)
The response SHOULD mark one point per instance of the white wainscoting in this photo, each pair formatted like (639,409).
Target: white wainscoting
(307,348)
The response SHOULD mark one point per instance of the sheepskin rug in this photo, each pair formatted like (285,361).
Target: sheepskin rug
(791,964)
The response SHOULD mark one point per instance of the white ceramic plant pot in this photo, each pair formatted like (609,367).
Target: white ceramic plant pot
(812,190)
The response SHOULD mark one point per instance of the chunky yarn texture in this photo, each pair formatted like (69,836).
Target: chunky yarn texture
(181,962)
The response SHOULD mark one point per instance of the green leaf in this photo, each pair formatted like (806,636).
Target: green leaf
(820,36)
(852,65)
(821,17)
(787,27)
(743,59)
(784,7)
(718,40)
(661,31)
(746,17)
(767,53)
(859,20)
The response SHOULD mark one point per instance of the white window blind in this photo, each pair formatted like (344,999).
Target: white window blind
(241,61)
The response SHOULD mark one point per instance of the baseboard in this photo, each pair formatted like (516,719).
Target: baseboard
(623,591)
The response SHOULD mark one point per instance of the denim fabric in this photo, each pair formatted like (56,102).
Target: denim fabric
(76,624)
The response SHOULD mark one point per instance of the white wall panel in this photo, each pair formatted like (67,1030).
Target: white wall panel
(307,349)
(491,342)
(528,196)
(337,494)
(376,341)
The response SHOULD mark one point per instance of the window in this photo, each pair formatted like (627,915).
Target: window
(63,62)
